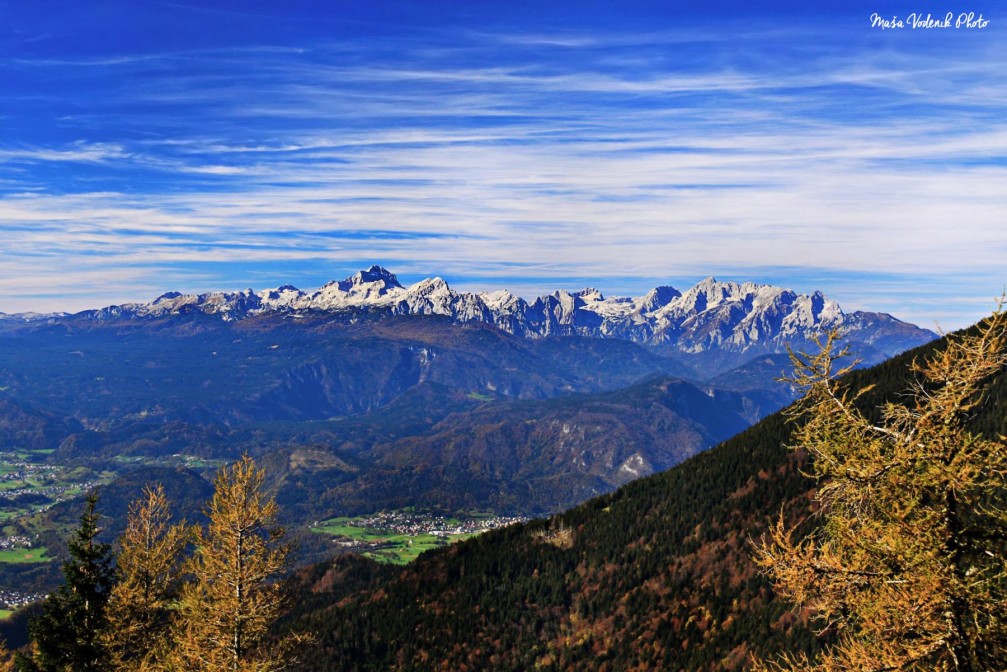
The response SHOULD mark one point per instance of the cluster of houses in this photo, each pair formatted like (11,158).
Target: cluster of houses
(18,471)
(405,522)
(14,599)
(15,541)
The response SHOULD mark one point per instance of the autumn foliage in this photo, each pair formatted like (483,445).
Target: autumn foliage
(225,611)
(158,610)
(908,569)
(142,602)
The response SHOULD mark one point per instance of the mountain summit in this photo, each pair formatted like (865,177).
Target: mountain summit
(713,316)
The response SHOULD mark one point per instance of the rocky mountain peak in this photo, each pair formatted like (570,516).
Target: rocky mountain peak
(712,315)
(430,286)
(590,294)
(374,274)
(657,298)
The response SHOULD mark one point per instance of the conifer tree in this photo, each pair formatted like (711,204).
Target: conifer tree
(66,634)
(908,569)
(148,581)
(224,612)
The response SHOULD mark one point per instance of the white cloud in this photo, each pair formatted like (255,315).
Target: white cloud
(79,152)
(590,167)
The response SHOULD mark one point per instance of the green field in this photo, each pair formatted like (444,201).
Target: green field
(188,461)
(479,396)
(25,555)
(5,614)
(386,545)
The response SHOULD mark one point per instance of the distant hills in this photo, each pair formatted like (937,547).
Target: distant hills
(655,576)
(397,410)
(382,397)
(366,395)
(543,456)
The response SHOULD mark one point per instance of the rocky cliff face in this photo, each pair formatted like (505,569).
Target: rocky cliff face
(711,316)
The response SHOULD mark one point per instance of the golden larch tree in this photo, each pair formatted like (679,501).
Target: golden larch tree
(142,600)
(226,609)
(6,659)
(908,568)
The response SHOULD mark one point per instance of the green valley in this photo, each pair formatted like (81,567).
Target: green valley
(399,537)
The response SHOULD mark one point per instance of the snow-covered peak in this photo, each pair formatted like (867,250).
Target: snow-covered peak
(710,294)
(33,316)
(590,294)
(566,302)
(615,307)
(430,287)
(710,315)
(500,301)
(706,294)
(167,296)
(374,274)
(228,305)
(657,298)
(375,286)
(284,296)
(433,296)
(738,316)
(813,311)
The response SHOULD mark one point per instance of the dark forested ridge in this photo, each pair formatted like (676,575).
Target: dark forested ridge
(355,414)
(655,576)
(542,456)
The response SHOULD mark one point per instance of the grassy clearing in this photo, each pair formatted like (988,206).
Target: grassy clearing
(402,553)
(386,545)
(478,396)
(402,550)
(5,614)
(25,555)
(188,461)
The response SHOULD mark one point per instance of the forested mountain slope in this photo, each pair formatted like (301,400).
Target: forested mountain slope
(656,576)
(395,411)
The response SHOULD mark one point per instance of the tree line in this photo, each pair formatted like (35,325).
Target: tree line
(155,606)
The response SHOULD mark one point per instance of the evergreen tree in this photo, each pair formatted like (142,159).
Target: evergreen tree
(909,568)
(148,570)
(225,611)
(66,634)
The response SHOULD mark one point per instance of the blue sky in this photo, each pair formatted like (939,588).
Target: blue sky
(148,146)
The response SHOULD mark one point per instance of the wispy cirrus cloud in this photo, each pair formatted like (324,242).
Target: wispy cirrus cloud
(515,158)
(78,152)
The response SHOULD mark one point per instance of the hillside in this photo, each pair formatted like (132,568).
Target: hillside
(367,395)
(355,414)
(656,576)
(541,456)
(203,370)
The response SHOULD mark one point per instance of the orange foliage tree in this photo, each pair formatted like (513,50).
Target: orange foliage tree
(908,568)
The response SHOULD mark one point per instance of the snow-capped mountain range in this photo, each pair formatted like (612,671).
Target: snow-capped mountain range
(711,315)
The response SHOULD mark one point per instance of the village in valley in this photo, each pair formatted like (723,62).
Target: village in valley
(400,536)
